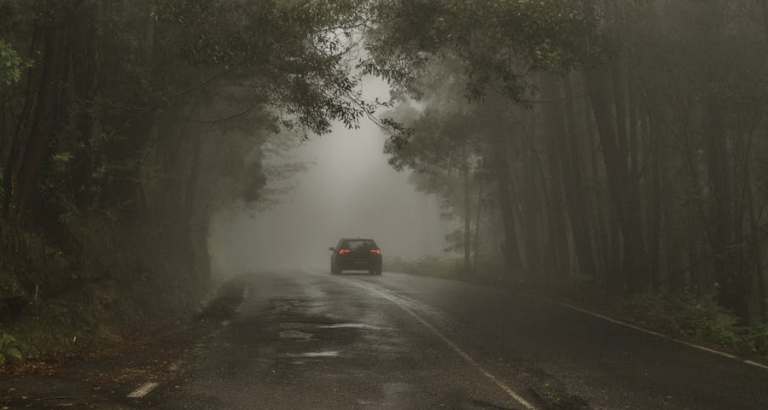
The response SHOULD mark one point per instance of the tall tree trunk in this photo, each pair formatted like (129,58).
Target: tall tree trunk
(478,220)
(762,285)
(733,288)
(764,6)
(578,205)
(467,218)
(554,131)
(598,213)
(755,251)
(45,117)
(622,188)
(656,201)
(535,206)
(23,128)
(507,207)
(194,177)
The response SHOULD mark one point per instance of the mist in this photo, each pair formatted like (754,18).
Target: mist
(568,198)
(348,190)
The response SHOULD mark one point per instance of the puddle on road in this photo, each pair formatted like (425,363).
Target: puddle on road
(297,325)
(370,403)
(307,325)
(394,396)
(281,306)
(350,326)
(296,334)
(328,353)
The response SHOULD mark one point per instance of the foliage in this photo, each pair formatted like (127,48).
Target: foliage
(157,123)
(498,41)
(703,319)
(629,133)
(623,138)
(293,52)
(11,64)
(759,339)
(9,350)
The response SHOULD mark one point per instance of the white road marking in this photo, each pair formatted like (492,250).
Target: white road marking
(651,332)
(500,384)
(760,365)
(143,390)
(295,334)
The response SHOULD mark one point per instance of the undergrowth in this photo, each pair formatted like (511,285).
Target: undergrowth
(9,348)
(703,319)
(427,266)
(696,318)
(443,268)
(100,284)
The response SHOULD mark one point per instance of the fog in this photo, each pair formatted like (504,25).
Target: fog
(569,200)
(348,190)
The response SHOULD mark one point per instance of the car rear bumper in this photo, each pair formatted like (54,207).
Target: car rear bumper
(362,264)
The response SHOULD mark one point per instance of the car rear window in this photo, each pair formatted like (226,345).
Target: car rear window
(360,245)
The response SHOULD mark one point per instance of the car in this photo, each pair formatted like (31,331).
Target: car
(356,254)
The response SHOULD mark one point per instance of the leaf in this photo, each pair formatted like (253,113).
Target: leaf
(6,340)
(62,157)
(15,355)
(10,64)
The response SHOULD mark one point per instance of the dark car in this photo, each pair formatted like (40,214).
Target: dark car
(356,254)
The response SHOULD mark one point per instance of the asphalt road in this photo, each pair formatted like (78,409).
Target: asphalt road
(310,340)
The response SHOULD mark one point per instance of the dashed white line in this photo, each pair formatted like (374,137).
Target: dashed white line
(143,390)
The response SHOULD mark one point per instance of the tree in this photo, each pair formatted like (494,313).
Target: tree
(134,122)
(495,44)
(631,131)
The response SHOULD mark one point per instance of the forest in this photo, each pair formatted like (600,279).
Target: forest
(614,142)
(617,142)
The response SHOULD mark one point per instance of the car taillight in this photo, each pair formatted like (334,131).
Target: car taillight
(376,251)
(343,251)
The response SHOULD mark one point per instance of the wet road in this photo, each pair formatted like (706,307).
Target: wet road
(310,340)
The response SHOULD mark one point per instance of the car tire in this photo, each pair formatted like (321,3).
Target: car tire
(376,271)
(335,270)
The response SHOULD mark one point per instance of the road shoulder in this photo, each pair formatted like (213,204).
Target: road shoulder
(106,378)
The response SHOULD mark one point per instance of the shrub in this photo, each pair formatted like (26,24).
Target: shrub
(702,318)
(9,349)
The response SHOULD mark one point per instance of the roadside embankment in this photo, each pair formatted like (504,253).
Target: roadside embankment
(687,317)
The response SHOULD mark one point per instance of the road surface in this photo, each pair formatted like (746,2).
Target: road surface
(311,340)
